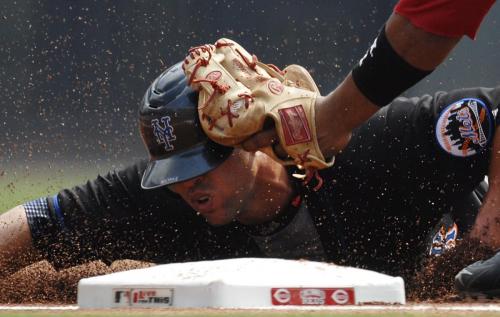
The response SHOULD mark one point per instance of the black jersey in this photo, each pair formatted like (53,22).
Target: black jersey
(414,160)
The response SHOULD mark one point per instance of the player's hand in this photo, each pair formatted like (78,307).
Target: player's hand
(263,139)
(329,143)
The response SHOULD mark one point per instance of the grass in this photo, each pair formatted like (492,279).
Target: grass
(21,184)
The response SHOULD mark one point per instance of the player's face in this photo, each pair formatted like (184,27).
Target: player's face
(221,195)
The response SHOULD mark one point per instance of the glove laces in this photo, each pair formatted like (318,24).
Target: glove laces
(310,173)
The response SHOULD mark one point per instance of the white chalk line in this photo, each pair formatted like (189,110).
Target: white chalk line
(423,307)
(426,307)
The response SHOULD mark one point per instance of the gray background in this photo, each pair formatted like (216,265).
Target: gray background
(72,73)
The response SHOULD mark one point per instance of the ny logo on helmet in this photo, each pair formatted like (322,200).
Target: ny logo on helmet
(164,134)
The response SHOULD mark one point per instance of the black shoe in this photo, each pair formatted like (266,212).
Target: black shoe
(480,279)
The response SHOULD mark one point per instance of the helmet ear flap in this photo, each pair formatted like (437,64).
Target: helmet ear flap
(169,127)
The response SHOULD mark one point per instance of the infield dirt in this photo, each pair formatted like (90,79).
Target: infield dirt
(40,283)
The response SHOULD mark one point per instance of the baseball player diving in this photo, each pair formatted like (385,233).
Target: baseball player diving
(245,161)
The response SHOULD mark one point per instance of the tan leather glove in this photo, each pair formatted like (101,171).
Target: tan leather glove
(239,96)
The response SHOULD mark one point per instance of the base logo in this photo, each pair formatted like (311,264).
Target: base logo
(143,297)
(312,296)
(465,127)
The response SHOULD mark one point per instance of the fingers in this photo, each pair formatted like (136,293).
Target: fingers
(266,138)
(260,140)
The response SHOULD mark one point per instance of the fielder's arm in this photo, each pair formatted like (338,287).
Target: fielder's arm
(16,248)
(347,107)
(416,38)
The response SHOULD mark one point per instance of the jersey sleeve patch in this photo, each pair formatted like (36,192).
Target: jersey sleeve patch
(465,127)
(37,214)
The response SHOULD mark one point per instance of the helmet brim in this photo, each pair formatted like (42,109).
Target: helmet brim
(185,165)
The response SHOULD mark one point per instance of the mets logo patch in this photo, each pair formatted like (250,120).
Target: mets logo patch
(465,127)
(164,132)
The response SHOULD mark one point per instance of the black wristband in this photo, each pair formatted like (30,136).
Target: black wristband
(382,75)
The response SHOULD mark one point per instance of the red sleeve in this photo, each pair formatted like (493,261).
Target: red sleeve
(452,18)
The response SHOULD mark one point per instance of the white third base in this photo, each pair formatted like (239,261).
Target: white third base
(241,283)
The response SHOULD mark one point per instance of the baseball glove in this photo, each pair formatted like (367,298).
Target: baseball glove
(238,94)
